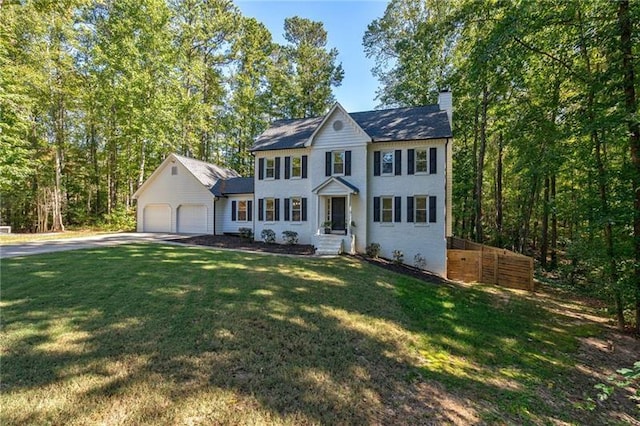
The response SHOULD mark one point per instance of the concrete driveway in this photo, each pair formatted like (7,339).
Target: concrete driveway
(104,240)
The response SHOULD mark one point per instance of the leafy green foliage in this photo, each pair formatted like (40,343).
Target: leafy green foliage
(290,237)
(268,236)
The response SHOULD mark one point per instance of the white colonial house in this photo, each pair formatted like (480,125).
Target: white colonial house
(341,181)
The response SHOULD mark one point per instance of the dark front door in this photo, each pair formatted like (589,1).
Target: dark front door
(338,214)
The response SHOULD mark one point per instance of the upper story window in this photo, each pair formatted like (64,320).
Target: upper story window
(270,168)
(337,162)
(422,162)
(387,162)
(296,167)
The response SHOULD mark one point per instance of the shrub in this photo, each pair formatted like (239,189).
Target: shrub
(246,233)
(290,237)
(373,250)
(268,236)
(120,219)
(419,261)
(398,256)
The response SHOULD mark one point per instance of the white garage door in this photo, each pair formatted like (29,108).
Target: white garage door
(157,218)
(192,219)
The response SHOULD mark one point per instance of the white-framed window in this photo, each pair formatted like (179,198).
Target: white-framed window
(296,167)
(241,212)
(386,209)
(387,161)
(420,208)
(269,168)
(421,161)
(337,162)
(269,209)
(296,209)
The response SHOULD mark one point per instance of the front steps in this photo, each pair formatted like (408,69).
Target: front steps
(329,245)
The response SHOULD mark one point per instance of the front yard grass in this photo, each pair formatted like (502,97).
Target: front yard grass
(142,334)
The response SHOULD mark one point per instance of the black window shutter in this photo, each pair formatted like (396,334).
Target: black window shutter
(432,209)
(398,209)
(398,159)
(304,209)
(261,209)
(376,209)
(287,167)
(260,168)
(233,211)
(277,165)
(410,209)
(249,210)
(376,163)
(304,167)
(327,164)
(433,161)
(347,163)
(276,204)
(286,209)
(410,161)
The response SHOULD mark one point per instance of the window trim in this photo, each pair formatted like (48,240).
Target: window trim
(267,168)
(426,210)
(272,210)
(426,161)
(245,211)
(390,209)
(333,162)
(291,174)
(292,209)
(382,162)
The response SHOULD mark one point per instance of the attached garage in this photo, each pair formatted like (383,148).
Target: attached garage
(192,219)
(157,218)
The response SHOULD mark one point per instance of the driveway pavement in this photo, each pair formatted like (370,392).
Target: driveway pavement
(104,240)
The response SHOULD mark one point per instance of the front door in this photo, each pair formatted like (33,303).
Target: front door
(338,214)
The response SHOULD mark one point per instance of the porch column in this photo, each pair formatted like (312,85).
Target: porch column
(317,213)
(349,215)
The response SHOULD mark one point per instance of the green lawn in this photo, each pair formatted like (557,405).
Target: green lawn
(164,334)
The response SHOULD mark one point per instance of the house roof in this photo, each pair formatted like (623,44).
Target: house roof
(398,124)
(208,174)
(236,185)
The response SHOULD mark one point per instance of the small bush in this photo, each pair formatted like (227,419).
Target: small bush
(268,236)
(290,237)
(373,250)
(419,261)
(246,233)
(398,256)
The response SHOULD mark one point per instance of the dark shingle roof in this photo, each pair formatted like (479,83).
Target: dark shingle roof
(236,185)
(208,174)
(398,124)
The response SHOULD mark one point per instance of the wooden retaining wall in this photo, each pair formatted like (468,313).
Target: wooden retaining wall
(472,262)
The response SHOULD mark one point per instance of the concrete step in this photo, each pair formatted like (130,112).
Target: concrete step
(329,245)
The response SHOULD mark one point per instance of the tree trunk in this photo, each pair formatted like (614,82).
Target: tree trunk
(498,192)
(631,106)
(554,226)
(474,199)
(480,167)
(544,244)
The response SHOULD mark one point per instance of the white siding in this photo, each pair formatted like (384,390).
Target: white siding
(175,190)
(285,188)
(412,238)
(328,138)
(224,213)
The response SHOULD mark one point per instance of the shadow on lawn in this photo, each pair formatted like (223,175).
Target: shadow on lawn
(307,340)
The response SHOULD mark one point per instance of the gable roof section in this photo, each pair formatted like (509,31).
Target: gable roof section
(398,124)
(205,173)
(339,108)
(236,185)
(340,181)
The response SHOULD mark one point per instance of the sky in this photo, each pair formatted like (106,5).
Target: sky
(345,22)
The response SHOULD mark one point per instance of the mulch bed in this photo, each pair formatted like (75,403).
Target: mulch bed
(235,242)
